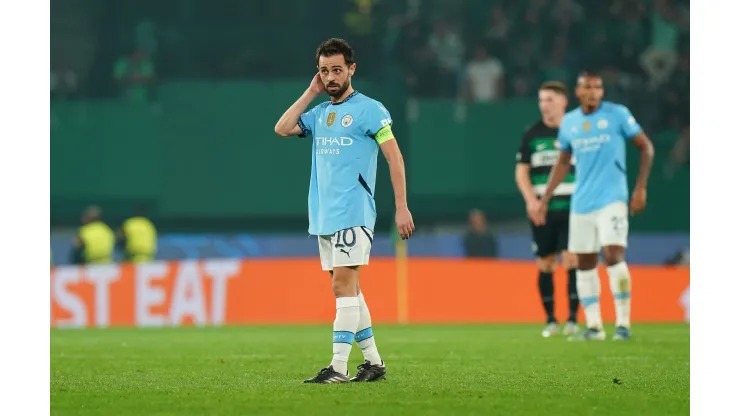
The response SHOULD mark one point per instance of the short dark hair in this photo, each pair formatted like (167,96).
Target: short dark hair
(336,46)
(555,86)
(587,73)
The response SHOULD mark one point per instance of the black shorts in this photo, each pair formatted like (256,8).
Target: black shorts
(551,238)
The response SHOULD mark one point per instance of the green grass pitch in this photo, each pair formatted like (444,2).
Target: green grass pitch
(432,370)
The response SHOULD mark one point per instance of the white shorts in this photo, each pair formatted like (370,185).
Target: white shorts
(350,247)
(608,226)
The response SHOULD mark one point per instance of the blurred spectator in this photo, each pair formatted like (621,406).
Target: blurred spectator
(135,75)
(533,14)
(359,18)
(422,75)
(138,237)
(497,33)
(484,80)
(532,28)
(479,241)
(616,85)
(563,27)
(449,50)
(556,69)
(569,9)
(63,82)
(145,34)
(626,10)
(523,85)
(598,52)
(661,57)
(95,241)
(407,41)
(533,39)
(523,56)
(631,30)
(361,26)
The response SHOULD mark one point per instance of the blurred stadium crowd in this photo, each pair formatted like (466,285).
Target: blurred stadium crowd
(482,50)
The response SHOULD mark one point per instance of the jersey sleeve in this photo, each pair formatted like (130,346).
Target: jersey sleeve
(374,118)
(563,142)
(524,155)
(307,120)
(628,126)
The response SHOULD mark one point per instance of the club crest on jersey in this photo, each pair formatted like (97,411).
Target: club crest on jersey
(602,124)
(346,120)
(586,125)
(330,119)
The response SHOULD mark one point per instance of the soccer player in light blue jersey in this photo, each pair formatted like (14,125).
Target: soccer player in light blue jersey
(596,134)
(347,132)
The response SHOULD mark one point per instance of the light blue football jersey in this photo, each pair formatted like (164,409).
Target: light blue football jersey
(345,162)
(598,141)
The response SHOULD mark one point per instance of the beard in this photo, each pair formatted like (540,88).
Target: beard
(339,91)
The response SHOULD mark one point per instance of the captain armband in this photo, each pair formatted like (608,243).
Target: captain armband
(384,134)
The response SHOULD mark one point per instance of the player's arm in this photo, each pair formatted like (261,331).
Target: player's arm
(521,173)
(392,153)
(557,175)
(524,183)
(647,154)
(289,123)
(632,131)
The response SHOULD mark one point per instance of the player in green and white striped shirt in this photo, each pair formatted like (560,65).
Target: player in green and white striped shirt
(537,154)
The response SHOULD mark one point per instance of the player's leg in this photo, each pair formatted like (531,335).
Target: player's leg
(544,247)
(570,263)
(364,336)
(620,283)
(344,281)
(613,232)
(344,284)
(588,286)
(546,267)
(583,241)
(373,368)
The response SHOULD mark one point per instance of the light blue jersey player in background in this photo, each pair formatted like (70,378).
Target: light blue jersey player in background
(596,135)
(347,132)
